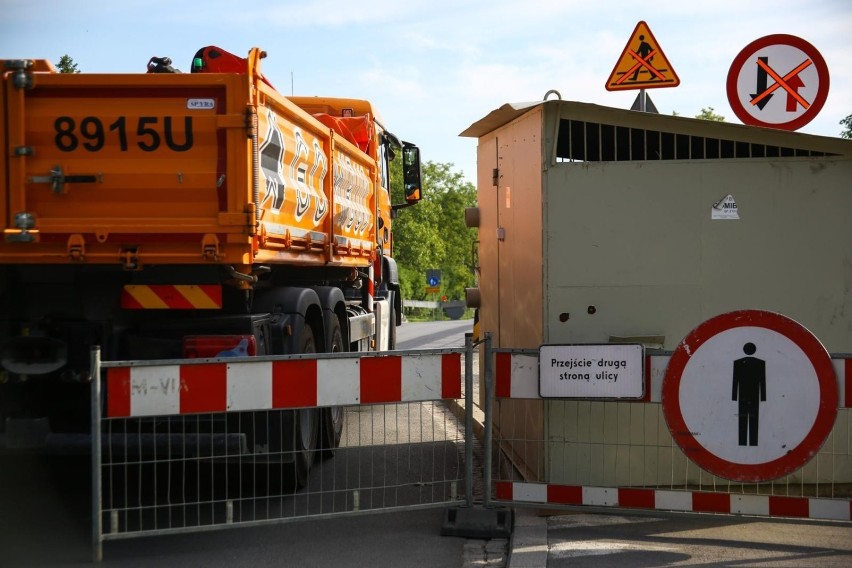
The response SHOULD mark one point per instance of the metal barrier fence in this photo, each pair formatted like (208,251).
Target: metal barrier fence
(189,446)
(196,446)
(609,453)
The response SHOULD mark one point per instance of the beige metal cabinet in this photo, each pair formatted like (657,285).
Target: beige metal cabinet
(603,225)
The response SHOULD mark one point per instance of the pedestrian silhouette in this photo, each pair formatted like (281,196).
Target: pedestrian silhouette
(749,389)
(643,51)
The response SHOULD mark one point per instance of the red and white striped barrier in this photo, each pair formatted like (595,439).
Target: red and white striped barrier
(516,376)
(296,383)
(681,501)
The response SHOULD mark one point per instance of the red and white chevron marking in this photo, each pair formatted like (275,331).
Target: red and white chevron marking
(681,501)
(158,390)
(516,376)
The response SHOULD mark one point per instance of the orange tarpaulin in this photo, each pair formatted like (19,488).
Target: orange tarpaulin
(356,129)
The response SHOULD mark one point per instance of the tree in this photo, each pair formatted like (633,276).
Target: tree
(433,236)
(67,65)
(708,114)
(847,124)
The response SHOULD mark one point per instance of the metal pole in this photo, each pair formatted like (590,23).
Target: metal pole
(468,419)
(643,106)
(97,523)
(489,405)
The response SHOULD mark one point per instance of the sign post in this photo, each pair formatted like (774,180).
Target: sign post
(750,395)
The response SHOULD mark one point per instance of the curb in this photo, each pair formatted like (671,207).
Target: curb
(528,544)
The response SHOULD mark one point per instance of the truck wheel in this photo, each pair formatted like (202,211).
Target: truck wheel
(333,419)
(306,423)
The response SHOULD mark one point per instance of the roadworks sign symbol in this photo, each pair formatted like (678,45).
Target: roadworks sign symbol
(642,64)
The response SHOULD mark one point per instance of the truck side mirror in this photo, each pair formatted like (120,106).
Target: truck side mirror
(411,173)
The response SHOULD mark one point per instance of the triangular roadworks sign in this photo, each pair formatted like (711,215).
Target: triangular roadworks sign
(642,64)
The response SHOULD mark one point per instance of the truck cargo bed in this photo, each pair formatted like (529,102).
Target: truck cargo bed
(181,168)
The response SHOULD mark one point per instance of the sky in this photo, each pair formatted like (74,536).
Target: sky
(432,68)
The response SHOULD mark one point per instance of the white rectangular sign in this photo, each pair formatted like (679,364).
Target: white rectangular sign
(591,371)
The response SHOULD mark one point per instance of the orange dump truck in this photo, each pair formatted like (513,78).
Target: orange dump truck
(167,215)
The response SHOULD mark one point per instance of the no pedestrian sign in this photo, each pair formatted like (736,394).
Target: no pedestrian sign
(591,371)
(778,81)
(750,395)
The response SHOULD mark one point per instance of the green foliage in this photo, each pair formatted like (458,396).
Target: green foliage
(67,65)
(847,124)
(432,235)
(708,114)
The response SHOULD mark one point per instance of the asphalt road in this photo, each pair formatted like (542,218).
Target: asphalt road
(433,335)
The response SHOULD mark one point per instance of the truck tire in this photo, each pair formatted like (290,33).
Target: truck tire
(333,418)
(282,444)
(305,424)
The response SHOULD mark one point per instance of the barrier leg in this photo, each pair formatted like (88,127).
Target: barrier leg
(97,540)
(472,521)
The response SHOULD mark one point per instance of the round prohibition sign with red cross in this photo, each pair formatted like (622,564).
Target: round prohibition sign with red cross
(750,395)
(778,81)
